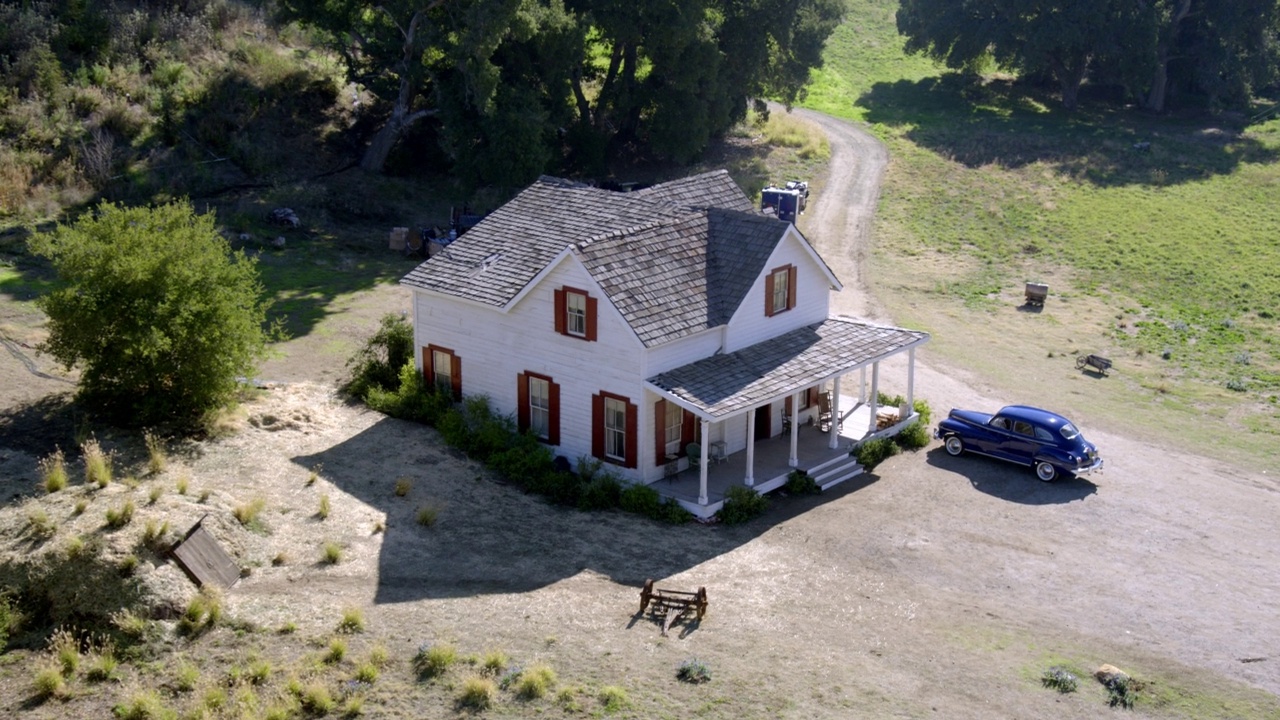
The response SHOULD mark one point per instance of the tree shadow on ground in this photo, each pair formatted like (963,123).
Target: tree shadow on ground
(1011,125)
(492,537)
(1009,481)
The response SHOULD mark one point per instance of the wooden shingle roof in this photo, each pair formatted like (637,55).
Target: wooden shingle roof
(673,258)
(728,384)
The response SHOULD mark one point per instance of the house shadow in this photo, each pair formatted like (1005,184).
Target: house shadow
(1009,481)
(489,536)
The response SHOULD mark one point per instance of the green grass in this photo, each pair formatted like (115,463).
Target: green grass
(1155,257)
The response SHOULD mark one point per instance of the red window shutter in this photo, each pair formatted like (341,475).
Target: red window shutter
(561,313)
(457,377)
(428,372)
(597,426)
(592,303)
(522,402)
(789,405)
(813,396)
(768,295)
(553,410)
(633,435)
(791,286)
(688,428)
(660,433)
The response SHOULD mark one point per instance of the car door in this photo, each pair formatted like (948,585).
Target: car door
(1019,444)
(992,438)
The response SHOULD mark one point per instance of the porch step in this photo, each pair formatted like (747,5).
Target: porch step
(835,472)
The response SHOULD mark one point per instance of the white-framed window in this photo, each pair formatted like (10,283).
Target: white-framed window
(575,308)
(539,407)
(781,289)
(442,365)
(674,424)
(615,429)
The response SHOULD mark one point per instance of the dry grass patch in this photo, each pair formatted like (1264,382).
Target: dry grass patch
(97,463)
(53,471)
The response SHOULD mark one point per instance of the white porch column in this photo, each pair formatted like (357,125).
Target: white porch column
(794,460)
(875,394)
(862,385)
(750,478)
(833,442)
(911,379)
(702,464)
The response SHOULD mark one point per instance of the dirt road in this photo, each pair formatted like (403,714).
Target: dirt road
(1170,553)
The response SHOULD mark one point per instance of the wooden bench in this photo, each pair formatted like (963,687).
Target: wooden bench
(672,603)
(1097,362)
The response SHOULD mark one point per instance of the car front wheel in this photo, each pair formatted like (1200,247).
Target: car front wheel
(954,445)
(1046,471)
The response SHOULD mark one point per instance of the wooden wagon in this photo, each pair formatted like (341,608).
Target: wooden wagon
(672,603)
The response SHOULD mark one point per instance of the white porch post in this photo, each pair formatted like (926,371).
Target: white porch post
(834,441)
(911,379)
(702,464)
(750,478)
(794,460)
(862,385)
(875,394)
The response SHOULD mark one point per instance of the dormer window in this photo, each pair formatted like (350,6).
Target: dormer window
(780,290)
(575,313)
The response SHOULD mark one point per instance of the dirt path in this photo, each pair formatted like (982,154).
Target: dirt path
(1173,553)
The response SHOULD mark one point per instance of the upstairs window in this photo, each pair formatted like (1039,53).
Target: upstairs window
(575,313)
(780,290)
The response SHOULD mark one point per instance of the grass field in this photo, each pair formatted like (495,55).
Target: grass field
(1172,244)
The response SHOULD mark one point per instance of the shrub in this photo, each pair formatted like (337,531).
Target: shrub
(478,693)
(97,464)
(1060,679)
(694,671)
(872,452)
(524,462)
(1122,691)
(159,362)
(433,660)
(157,461)
(641,500)
(411,400)
(914,436)
(673,513)
(613,698)
(53,471)
(379,362)
(741,504)
(800,482)
(352,621)
(603,492)
(121,516)
(9,619)
(535,682)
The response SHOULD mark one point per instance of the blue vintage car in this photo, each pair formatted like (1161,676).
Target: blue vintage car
(1026,435)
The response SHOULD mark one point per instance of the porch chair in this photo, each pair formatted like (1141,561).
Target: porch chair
(694,452)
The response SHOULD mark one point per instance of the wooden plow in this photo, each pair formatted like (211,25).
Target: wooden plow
(672,604)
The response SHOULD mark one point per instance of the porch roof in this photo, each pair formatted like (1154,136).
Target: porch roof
(724,385)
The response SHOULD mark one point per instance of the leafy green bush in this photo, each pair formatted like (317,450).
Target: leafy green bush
(409,399)
(641,500)
(800,482)
(673,513)
(1060,679)
(384,355)
(694,671)
(196,318)
(523,462)
(742,504)
(602,493)
(874,451)
(432,660)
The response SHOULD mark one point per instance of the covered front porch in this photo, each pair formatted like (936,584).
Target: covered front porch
(732,395)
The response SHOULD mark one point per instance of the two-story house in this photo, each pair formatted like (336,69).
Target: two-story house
(674,332)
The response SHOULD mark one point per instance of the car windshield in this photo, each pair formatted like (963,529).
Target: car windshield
(1069,431)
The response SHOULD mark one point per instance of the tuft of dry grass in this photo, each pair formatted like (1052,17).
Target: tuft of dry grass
(247,513)
(40,525)
(53,471)
(403,486)
(325,508)
(118,517)
(97,463)
(478,693)
(157,460)
(427,515)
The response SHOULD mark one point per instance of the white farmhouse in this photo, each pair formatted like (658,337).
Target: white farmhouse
(674,332)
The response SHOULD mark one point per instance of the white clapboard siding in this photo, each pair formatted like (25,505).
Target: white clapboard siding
(750,325)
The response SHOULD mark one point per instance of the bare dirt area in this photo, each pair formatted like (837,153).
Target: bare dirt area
(933,587)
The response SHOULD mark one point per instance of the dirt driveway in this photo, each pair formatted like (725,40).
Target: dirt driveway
(934,587)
